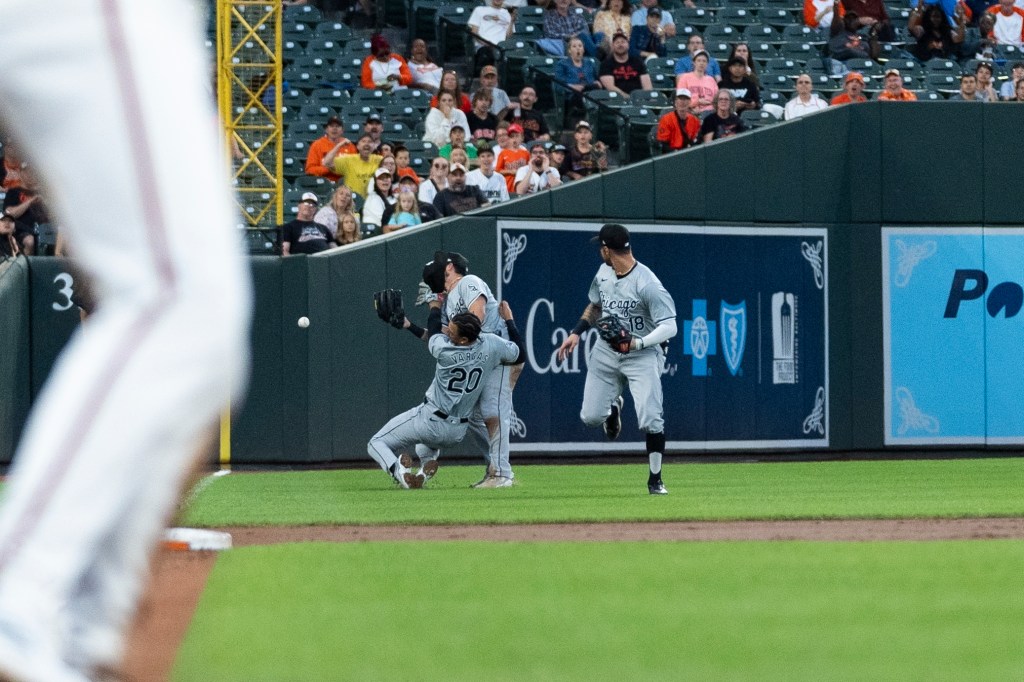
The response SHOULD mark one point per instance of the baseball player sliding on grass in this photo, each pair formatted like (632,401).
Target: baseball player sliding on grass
(131,402)
(466,356)
(639,316)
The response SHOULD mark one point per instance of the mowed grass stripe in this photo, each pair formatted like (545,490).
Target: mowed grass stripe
(611,611)
(595,493)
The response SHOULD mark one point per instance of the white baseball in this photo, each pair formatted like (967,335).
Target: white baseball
(303,322)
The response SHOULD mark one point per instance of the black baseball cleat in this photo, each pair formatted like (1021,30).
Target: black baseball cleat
(655,486)
(613,424)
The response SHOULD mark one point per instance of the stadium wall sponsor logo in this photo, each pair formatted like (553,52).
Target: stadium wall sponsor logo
(734,334)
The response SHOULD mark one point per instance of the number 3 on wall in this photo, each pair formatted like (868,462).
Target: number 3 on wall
(67,282)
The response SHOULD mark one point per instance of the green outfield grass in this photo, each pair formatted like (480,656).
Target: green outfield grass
(545,494)
(787,611)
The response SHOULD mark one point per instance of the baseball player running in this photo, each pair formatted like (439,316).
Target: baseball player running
(448,274)
(141,178)
(639,316)
(465,357)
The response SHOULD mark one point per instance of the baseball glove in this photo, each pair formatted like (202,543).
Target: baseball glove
(425,295)
(612,331)
(388,304)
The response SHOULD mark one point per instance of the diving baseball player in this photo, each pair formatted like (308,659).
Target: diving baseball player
(449,273)
(465,357)
(634,314)
(138,179)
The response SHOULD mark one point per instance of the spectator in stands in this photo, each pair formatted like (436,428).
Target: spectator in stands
(349,230)
(893,90)
(330,215)
(723,121)
(441,120)
(533,123)
(1008,90)
(435,182)
(450,82)
(405,214)
(357,169)
(983,72)
(387,163)
(853,90)
(982,47)
(585,157)
(933,35)
(512,157)
(871,14)
(615,16)
(492,24)
(12,165)
(378,200)
(562,23)
(457,140)
(665,22)
(556,153)
(968,90)
(578,74)
(1009,23)
(621,72)
(374,127)
(25,205)
(538,174)
(848,43)
(702,87)
(8,244)
(678,129)
(384,69)
(740,85)
(742,50)
(491,183)
(320,159)
(483,125)
(427,212)
(402,164)
(805,101)
(501,104)
(458,197)
(819,13)
(305,235)
(648,40)
(1020,91)
(695,44)
(459,156)
(426,75)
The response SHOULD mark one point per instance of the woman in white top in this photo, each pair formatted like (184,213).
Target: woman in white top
(437,181)
(426,75)
(378,199)
(805,102)
(441,120)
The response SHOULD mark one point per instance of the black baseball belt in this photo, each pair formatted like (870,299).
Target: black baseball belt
(442,415)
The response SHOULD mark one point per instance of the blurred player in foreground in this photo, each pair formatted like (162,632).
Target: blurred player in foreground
(107,99)
(645,315)
(465,357)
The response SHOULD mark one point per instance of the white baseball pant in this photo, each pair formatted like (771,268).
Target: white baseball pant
(107,100)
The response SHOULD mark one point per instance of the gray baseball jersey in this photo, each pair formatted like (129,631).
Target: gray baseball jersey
(641,302)
(466,291)
(461,370)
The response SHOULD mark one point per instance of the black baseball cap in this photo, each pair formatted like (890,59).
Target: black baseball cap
(614,236)
(333,120)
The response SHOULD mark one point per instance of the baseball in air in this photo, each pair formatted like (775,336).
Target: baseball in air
(303,322)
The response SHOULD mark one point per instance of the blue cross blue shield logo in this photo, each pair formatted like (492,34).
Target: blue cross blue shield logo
(732,324)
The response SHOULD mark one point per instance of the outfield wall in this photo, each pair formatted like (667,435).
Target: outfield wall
(858,176)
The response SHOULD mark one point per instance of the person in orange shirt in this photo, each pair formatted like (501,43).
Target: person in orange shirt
(513,156)
(678,129)
(853,90)
(320,159)
(894,91)
(384,69)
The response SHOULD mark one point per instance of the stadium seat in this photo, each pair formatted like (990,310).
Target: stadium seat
(721,33)
(301,14)
(944,83)
(649,98)
(737,16)
(783,66)
(602,106)
(334,30)
(696,16)
(634,127)
(374,98)
(757,118)
(762,50)
(452,25)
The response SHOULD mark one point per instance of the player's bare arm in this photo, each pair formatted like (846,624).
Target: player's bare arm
(591,314)
(477,307)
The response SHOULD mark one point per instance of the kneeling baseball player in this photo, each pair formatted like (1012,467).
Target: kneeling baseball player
(464,358)
(639,316)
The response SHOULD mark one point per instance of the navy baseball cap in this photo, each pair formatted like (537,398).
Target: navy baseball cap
(614,236)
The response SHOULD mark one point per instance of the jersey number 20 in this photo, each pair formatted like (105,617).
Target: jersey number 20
(461,382)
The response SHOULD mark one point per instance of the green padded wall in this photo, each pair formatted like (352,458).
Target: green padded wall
(14,360)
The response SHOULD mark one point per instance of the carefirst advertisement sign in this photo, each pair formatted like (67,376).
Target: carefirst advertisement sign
(748,368)
(954,335)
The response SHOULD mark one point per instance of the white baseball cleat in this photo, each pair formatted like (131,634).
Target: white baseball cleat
(428,469)
(496,482)
(400,473)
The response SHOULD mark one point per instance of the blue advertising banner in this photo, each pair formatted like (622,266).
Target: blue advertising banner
(748,368)
(953,335)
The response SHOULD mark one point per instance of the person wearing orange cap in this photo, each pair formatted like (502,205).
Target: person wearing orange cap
(384,69)
(853,90)
(894,90)
(513,156)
